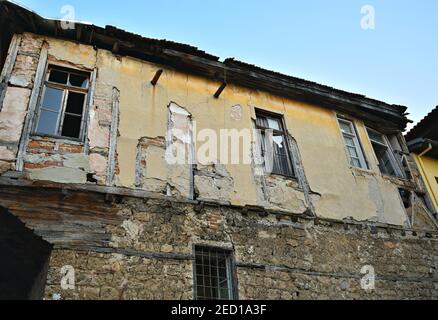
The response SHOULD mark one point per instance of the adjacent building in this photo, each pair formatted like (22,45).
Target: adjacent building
(319,198)
(423,143)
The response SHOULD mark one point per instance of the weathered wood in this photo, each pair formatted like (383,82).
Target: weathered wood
(70,218)
(157,77)
(8,67)
(32,106)
(90,104)
(220,90)
(113,137)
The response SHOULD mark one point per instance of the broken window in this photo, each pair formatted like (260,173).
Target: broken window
(274,145)
(213,274)
(387,161)
(354,149)
(62,106)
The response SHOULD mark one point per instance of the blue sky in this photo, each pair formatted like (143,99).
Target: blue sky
(318,40)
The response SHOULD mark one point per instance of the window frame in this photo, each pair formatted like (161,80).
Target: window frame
(358,146)
(231,271)
(283,132)
(389,152)
(66,89)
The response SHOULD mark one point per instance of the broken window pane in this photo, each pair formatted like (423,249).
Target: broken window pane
(78,81)
(58,76)
(52,99)
(274,147)
(61,109)
(72,126)
(382,152)
(47,122)
(75,103)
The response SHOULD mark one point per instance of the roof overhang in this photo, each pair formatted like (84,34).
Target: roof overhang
(382,116)
(424,146)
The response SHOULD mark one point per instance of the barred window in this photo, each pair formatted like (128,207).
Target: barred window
(63,103)
(213,274)
(352,144)
(274,144)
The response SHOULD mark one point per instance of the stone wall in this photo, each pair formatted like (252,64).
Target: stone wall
(277,257)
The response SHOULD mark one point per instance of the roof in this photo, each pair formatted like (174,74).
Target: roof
(186,58)
(425,135)
(427,128)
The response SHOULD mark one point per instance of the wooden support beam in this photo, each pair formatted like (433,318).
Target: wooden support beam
(57,28)
(116,47)
(219,91)
(78,32)
(157,77)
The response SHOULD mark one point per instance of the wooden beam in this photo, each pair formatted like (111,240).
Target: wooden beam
(116,47)
(219,91)
(78,32)
(157,77)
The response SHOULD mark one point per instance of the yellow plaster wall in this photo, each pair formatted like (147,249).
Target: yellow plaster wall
(345,192)
(429,171)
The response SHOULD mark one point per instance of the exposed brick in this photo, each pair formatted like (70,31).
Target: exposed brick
(41,145)
(31,166)
(69,148)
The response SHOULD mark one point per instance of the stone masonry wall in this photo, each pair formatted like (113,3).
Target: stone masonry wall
(277,257)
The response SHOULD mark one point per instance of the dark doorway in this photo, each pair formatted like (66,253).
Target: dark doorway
(24,259)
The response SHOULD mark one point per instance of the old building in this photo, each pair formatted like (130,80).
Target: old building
(423,143)
(90,119)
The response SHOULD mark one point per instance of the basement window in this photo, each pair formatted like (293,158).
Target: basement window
(213,274)
(352,144)
(62,105)
(274,144)
(383,152)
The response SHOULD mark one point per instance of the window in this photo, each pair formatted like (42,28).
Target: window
(436,178)
(387,162)
(213,274)
(354,149)
(62,106)
(274,145)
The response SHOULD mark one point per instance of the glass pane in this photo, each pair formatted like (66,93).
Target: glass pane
(375,136)
(349,141)
(78,81)
(52,99)
(281,162)
(75,103)
(274,124)
(72,126)
(385,163)
(58,76)
(346,127)
(224,294)
(262,122)
(355,163)
(353,152)
(47,122)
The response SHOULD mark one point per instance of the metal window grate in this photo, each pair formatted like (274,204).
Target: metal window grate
(213,274)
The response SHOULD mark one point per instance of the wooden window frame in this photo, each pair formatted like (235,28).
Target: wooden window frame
(389,152)
(283,132)
(62,113)
(358,146)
